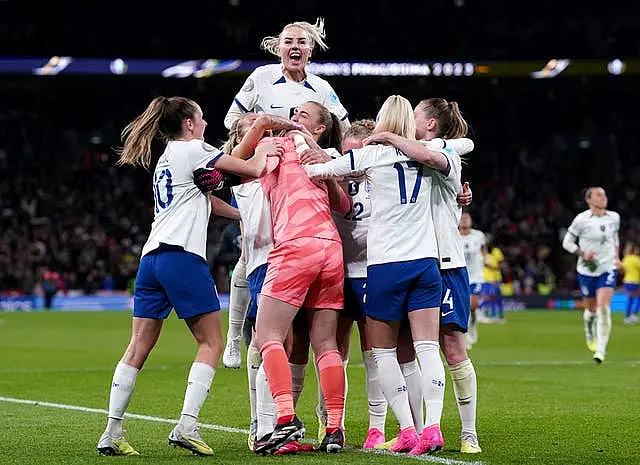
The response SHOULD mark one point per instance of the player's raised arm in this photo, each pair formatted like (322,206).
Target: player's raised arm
(255,167)
(256,132)
(352,161)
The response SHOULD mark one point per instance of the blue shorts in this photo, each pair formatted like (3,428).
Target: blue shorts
(169,278)
(256,279)
(490,289)
(590,284)
(631,287)
(394,289)
(355,290)
(456,299)
(476,288)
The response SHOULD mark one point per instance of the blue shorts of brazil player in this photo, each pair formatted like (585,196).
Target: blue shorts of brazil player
(256,279)
(355,299)
(169,277)
(590,284)
(456,303)
(394,289)
(631,288)
(476,288)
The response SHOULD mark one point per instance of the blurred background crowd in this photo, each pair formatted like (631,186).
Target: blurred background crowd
(65,207)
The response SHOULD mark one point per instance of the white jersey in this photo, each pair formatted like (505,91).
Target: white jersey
(597,233)
(401,227)
(446,213)
(473,244)
(181,209)
(255,213)
(267,90)
(353,228)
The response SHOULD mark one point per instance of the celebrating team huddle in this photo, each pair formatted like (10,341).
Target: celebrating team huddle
(341,223)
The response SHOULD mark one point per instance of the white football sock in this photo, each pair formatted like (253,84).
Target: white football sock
(604,330)
(198,384)
(297,380)
(238,300)
(413,379)
(428,353)
(253,364)
(465,387)
(266,407)
(122,386)
(375,396)
(589,321)
(393,385)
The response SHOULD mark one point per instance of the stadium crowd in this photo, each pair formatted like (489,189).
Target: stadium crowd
(65,206)
(499,30)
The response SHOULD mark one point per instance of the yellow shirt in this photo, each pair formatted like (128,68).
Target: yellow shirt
(631,267)
(492,273)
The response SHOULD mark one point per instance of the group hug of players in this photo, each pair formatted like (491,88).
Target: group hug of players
(342,222)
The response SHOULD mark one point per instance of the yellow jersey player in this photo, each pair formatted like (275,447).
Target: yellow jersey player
(493,280)
(631,282)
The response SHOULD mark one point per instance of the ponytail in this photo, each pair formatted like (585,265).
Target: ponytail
(451,123)
(163,117)
(335,135)
(138,135)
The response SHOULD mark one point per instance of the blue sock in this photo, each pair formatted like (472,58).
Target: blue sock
(500,304)
(494,308)
(630,303)
(637,305)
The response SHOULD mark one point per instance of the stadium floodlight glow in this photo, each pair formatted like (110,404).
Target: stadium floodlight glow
(552,69)
(209,67)
(616,67)
(181,70)
(55,65)
(118,66)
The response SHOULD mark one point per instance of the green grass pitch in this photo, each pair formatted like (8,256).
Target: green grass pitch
(541,398)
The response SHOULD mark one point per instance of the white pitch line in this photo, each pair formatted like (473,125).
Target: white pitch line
(135,416)
(226,429)
(95,369)
(424,458)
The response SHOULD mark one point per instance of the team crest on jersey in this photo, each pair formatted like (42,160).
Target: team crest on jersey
(602,228)
(248,86)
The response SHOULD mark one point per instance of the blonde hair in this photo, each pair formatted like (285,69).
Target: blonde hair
(315,33)
(360,129)
(396,116)
(237,131)
(451,124)
(163,117)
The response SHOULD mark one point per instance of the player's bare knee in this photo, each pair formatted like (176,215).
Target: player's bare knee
(453,345)
(137,352)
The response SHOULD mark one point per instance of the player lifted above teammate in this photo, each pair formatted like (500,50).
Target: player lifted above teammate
(279,88)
